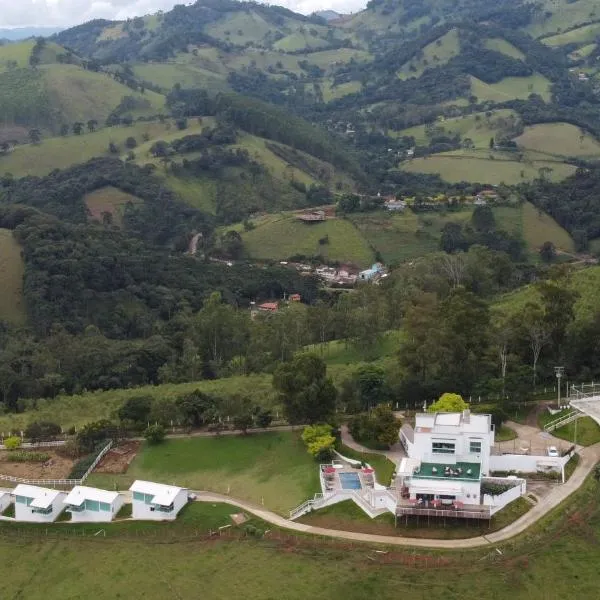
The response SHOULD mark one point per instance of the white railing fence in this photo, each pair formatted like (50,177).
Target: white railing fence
(564,420)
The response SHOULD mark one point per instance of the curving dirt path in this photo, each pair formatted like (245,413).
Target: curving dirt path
(589,457)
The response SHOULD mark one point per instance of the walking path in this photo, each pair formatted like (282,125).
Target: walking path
(395,453)
(589,457)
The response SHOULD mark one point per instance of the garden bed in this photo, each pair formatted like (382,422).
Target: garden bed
(118,458)
(56,467)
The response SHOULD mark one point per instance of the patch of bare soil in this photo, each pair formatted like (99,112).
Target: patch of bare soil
(118,459)
(56,467)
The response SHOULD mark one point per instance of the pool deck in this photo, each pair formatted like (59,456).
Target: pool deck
(333,483)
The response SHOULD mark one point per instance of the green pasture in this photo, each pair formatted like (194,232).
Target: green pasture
(511,88)
(559,139)
(12,269)
(436,54)
(504,47)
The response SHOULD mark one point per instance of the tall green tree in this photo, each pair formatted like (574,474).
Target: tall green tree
(305,391)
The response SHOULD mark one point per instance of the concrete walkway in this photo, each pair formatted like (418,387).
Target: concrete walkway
(589,457)
(532,438)
(395,453)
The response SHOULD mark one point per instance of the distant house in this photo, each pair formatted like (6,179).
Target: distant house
(268,307)
(87,504)
(485,196)
(37,504)
(316,216)
(376,271)
(395,205)
(157,502)
(295,298)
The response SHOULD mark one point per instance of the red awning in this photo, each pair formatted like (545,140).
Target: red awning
(329,470)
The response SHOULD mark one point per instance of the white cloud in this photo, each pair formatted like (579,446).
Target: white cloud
(59,13)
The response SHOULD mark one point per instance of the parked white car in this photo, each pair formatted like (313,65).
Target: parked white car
(553,452)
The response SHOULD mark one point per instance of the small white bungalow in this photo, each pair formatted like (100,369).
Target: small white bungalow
(37,504)
(156,501)
(87,504)
(5,501)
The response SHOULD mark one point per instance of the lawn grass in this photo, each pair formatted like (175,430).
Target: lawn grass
(108,200)
(559,139)
(12,269)
(505,434)
(384,468)
(347,516)
(461,165)
(282,236)
(588,431)
(273,469)
(511,88)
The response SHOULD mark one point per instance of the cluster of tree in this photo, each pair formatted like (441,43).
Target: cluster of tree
(377,428)
(36,52)
(319,440)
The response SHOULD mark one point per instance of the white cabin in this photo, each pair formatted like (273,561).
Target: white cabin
(91,505)
(156,501)
(36,504)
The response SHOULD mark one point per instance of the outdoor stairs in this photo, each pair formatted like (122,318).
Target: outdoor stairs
(321,500)
(564,420)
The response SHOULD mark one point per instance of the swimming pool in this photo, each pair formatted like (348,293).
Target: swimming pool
(350,481)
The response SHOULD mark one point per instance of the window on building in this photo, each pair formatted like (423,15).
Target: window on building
(92,505)
(23,500)
(104,506)
(443,447)
(139,496)
(475,446)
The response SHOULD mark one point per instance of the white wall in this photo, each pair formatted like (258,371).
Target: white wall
(91,516)
(524,463)
(498,502)
(469,493)
(24,513)
(141,510)
(5,500)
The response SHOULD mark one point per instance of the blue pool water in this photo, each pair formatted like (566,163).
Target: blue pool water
(350,481)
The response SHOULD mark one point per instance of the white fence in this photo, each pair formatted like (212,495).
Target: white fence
(499,501)
(38,444)
(524,463)
(60,482)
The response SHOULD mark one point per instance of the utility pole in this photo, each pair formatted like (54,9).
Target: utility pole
(559,372)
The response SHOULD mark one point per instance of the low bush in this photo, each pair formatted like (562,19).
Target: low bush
(82,465)
(12,443)
(25,456)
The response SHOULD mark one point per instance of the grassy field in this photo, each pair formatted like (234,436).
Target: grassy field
(559,15)
(331,92)
(581,35)
(300,41)
(349,517)
(109,200)
(278,237)
(558,558)
(274,467)
(478,127)
(12,307)
(166,75)
(436,54)
(461,165)
(511,88)
(504,47)
(585,282)
(560,139)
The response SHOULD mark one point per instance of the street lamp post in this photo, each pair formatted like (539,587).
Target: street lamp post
(559,372)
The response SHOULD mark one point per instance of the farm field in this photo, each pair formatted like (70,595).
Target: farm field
(280,236)
(562,15)
(436,54)
(460,165)
(511,88)
(504,47)
(478,127)
(581,35)
(166,75)
(12,269)
(108,200)
(270,467)
(559,139)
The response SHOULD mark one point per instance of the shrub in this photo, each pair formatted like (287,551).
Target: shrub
(319,441)
(131,143)
(42,431)
(70,450)
(155,434)
(81,466)
(24,456)
(12,443)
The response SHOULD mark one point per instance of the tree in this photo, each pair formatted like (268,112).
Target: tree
(159,149)
(77,128)
(136,409)
(453,238)
(39,431)
(263,418)
(492,143)
(64,129)
(548,252)
(307,394)
(91,125)
(378,427)
(371,386)
(483,219)
(319,441)
(113,148)
(538,333)
(35,136)
(131,143)
(12,443)
(243,422)
(448,403)
(181,123)
(349,203)
(155,434)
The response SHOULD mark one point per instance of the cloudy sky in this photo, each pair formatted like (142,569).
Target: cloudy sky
(59,13)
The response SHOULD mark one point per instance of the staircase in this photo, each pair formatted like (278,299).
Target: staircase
(564,420)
